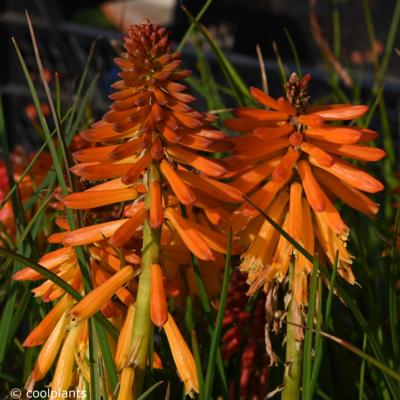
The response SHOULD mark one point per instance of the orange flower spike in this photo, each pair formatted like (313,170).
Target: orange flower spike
(97,298)
(126,384)
(50,349)
(94,233)
(312,189)
(156,211)
(63,374)
(182,356)
(124,345)
(182,191)
(158,302)
(47,324)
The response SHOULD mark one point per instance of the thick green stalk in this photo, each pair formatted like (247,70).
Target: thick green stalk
(294,351)
(142,322)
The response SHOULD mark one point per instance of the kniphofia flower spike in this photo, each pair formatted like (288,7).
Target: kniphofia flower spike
(292,163)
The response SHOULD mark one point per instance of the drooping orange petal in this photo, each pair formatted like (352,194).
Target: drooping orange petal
(113,184)
(182,356)
(345,113)
(136,169)
(127,149)
(334,134)
(50,261)
(47,324)
(250,179)
(351,196)
(260,150)
(203,143)
(98,297)
(50,349)
(156,210)
(212,187)
(356,152)
(261,115)
(208,166)
(367,135)
(284,169)
(169,134)
(98,198)
(93,154)
(158,302)
(244,124)
(262,198)
(190,236)
(286,106)
(270,133)
(319,154)
(310,120)
(124,345)
(125,231)
(184,194)
(98,171)
(103,131)
(295,215)
(264,98)
(353,176)
(312,189)
(333,219)
(63,374)
(93,233)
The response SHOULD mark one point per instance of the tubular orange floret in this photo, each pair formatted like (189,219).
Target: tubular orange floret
(158,303)
(181,190)
(311,187)
(190,236)
(156,211)
(183,358)
(47,324)
(91,234)
(50,349)
(98,198)
(98,297)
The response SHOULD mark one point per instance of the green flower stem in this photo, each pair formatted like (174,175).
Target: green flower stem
(294,351)
(142,322)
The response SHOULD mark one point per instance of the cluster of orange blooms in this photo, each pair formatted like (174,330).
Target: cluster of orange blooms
(155,194)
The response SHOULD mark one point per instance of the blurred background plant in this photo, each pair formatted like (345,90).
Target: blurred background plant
(351,56)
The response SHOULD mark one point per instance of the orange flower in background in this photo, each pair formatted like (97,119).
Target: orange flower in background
(291,163)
